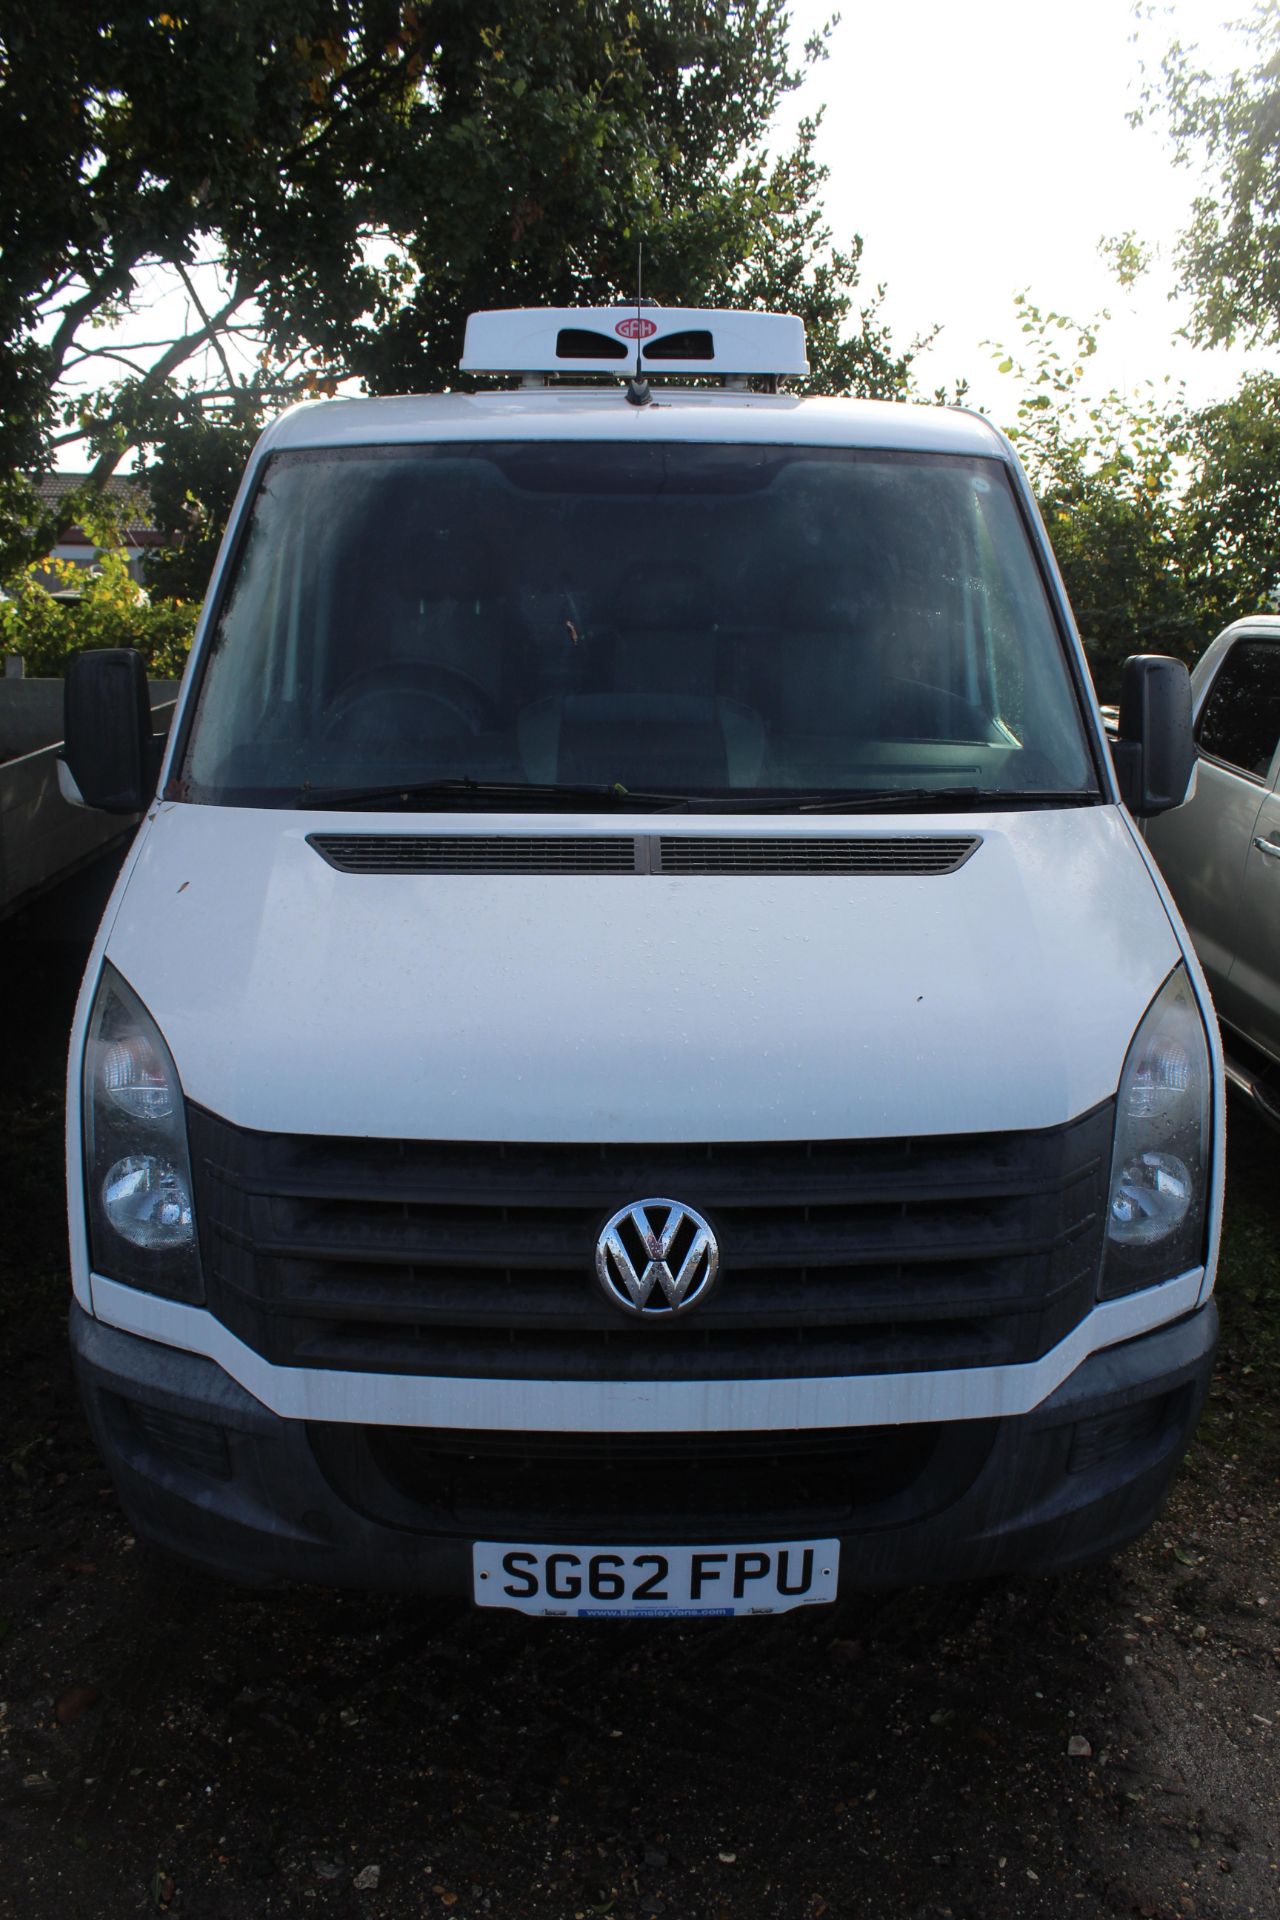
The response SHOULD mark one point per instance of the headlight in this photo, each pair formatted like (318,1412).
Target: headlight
(1160,1162)
(142,1226)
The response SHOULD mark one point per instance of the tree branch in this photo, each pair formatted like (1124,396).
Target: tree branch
(159,372)
(96,291)
(198,303)
(75,360)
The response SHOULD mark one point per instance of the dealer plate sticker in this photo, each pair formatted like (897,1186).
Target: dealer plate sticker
(652,1583)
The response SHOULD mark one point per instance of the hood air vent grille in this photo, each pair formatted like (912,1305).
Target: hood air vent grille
(643,853)
(888,854)
(476,853)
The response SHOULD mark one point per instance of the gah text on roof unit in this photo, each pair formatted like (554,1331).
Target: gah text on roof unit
(688,340)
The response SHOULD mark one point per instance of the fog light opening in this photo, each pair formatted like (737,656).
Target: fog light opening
(177,1438)
(1105,1435)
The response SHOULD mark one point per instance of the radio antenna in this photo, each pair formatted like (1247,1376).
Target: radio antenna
(637,386)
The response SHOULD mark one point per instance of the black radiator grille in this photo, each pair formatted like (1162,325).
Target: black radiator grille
(477,1259)
(584,1487)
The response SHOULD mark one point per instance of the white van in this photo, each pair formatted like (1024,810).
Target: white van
(638,1063)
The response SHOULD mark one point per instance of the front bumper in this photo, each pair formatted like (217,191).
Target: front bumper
(206,1471)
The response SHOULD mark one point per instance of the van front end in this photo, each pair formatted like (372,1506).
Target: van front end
(644,1351)
(638,1064)
(349,1485)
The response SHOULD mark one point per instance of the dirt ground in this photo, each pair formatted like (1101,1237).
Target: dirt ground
(1105,1743)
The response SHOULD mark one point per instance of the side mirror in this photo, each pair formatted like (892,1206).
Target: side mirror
(107,730)
(1155,750)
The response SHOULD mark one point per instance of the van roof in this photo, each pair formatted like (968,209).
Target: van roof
(603,413)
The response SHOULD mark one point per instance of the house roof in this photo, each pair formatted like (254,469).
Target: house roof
(139,529)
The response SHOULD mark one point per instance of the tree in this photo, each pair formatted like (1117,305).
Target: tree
(1230,515)
(109,609)
(333,184)
(191,467)
(1165,520)
(1107,474)
(1229,257)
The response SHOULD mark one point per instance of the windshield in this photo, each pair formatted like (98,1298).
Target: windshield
(683,619)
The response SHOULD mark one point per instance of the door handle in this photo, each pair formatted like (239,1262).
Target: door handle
(1270,847)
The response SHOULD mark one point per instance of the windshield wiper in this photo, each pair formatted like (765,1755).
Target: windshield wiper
(588,796)
(920,799)
(519,792)
(894,799)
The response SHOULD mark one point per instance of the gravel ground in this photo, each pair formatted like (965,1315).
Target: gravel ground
(1104,1743)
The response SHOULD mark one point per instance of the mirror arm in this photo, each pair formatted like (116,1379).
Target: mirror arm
(1126,757)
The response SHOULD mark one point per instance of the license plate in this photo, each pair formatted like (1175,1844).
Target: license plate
(651,1583)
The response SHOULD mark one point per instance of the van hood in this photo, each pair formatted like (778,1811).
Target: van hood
(642,1007)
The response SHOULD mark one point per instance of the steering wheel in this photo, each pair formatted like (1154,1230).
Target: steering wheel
(401,688)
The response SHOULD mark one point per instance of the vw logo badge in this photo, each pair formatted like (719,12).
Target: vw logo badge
(657,1259)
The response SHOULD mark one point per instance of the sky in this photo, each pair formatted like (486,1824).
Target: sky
(983,148)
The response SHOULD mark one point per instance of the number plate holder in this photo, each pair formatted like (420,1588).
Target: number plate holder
(653,1583)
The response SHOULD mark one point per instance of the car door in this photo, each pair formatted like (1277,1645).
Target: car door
(1254,986)
(1202,845)
(1205,848)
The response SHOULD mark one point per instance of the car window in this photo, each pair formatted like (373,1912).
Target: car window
(1240,722)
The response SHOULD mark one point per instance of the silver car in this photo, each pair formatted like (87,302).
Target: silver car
(1220,852)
